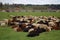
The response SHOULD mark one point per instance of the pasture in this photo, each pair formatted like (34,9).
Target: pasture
(7,33)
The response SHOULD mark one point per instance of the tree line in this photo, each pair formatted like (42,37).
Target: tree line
(29,7)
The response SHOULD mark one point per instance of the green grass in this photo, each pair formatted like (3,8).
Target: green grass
(7,33)
(6,15)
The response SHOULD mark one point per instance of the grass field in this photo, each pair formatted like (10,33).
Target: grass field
(6,33)
(6,15)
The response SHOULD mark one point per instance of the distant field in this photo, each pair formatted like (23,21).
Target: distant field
(6,33)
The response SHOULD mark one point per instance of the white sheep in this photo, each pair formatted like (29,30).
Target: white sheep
(32,29)
(52,24)
(6,21)
(42,26)
(2,23)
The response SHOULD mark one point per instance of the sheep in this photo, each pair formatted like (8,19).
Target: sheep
(2,23)
(6,21)
(10,22)
(33,32)
(16,28)
(47,28)
(52,24)
(28,27)
(32,29)
(32,24)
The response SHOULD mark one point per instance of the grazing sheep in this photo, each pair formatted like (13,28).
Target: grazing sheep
(2,23)
(33,32)
(32,24)
(57,26)
(47,28)
(32,29)
(28,27)
(43,26)
(16,28)
(51,24)
(6,21)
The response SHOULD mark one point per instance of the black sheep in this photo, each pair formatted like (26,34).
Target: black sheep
(36,32)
